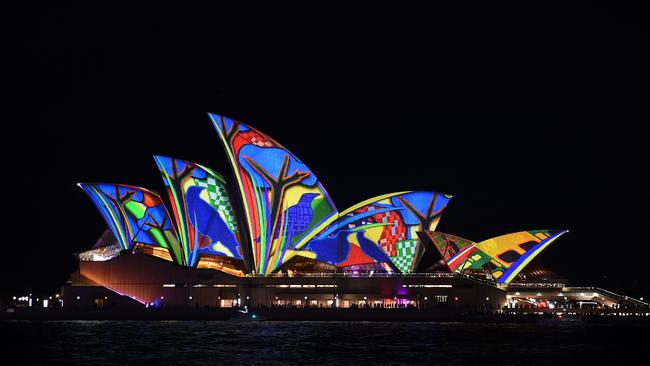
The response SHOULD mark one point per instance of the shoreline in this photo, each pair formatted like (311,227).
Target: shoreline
(352,315)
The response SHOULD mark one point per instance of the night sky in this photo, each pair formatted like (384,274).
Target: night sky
(530,115)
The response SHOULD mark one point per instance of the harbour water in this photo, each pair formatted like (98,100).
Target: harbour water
(299,343)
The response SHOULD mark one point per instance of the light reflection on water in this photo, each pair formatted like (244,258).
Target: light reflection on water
(246,343)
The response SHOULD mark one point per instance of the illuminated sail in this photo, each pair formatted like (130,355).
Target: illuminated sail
(448,245)
(135,216)
(379,229)
(283,200)
(201,208)
(506,255)
(289,216)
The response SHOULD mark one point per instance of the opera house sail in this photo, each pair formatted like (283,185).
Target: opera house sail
(284,202)
(203,215)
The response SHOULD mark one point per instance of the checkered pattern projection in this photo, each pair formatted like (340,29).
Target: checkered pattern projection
(404,257)
(201,209)
(382,229)
(219,200)
(394,231)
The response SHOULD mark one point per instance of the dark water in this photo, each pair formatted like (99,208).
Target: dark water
(292,343)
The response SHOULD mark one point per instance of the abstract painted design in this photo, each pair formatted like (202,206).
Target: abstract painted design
(283,200)
(406,253)
(202,211)
(504,256)
(475,260)
(291,219)
(345,248)
(380,229)
(135,216)
(448,245)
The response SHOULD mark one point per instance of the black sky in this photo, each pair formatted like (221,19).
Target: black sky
(530,115)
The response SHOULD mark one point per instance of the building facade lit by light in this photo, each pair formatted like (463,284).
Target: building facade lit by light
(277,240)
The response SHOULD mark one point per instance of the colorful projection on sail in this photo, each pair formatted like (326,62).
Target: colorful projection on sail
(135,216)
(381,229)
(202,211)
(504,256)
(448,245)
(283,199)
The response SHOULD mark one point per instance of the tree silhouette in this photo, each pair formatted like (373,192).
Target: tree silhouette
(229,136)
(426,219)
(278,186)
(175,182)
(119,201)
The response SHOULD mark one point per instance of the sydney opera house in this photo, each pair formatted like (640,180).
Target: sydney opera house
(277,239)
